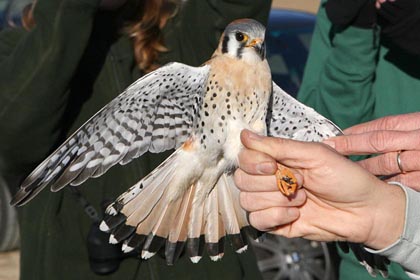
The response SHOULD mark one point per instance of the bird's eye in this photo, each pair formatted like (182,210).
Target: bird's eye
(240,37)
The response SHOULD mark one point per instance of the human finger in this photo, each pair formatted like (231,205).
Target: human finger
(373,142)
(387,164)
(409,179)
(260,183)
(256,201)
(252,183)
(289,152)
(254,162)
(270,218)
(403,122)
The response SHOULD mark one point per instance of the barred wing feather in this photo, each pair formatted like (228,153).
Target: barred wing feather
(155,113)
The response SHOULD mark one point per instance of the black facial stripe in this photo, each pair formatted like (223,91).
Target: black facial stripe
(240,51)
(225,44)
(262,51)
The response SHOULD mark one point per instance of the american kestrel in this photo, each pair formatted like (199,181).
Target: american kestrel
(190,200)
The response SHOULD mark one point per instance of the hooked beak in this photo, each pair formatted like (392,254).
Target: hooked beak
(259,46)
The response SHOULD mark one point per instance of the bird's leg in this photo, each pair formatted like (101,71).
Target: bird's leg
(286,181)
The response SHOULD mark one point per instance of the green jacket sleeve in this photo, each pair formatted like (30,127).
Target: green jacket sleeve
(339,73)
(195,31)
(36,68)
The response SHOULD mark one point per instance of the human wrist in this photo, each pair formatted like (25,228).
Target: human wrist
(405,250)
(388,217)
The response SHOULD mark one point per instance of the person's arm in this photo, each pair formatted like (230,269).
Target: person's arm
(199,23)
(35,71)
(406,250)
(339,71)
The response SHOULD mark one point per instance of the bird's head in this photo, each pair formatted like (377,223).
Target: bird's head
(244,39)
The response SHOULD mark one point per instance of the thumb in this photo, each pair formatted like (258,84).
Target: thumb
(280,149)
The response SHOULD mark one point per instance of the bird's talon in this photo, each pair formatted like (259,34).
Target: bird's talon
(286,181)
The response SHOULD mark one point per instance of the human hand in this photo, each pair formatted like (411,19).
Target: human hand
(386,137)
(339,200)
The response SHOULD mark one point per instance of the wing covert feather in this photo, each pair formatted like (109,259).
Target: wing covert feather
(289,118)
(155,113)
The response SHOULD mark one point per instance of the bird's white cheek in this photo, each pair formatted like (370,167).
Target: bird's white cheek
(250,56)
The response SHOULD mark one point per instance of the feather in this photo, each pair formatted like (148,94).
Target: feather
(214,229)
(110,222)
(179,228)
(134,242)
(122,232)
(196,229)
(289,118)
(124,129)
(228,213)
(157,238)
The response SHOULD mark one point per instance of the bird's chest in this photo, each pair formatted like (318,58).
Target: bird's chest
(236,99)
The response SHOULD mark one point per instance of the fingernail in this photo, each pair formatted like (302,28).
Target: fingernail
(253,136)
(329,143)
(237,177)
(268,167)
(293,212)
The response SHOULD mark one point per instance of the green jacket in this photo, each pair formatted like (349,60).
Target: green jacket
(351,77)
(52,80)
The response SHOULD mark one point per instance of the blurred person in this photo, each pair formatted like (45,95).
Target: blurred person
(70,58)
(363,65)
(338,200)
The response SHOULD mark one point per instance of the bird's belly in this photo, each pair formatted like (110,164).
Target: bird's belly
(233,144)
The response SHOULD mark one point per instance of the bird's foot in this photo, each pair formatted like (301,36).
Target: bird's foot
(286,181)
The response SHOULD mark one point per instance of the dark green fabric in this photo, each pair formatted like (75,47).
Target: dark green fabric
(338,75)
(52,80)
(351,269)
(352,77)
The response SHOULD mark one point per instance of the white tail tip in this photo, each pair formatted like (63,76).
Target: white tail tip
(241,250)
(217,258)
(112,239)
(126,249)
(146,255)
(104,227)
(195,259)
(110,210)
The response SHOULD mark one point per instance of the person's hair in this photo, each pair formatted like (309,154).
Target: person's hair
(145,30)
(28,21)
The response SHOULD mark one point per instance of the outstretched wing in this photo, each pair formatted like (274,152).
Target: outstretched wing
(155,113)
(289,118)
